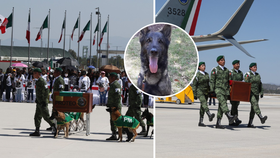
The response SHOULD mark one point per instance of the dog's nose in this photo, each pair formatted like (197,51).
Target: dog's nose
(154,51)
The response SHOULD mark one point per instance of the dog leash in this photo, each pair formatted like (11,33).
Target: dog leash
(143,83)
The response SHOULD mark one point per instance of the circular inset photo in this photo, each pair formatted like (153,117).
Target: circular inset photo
(161,59)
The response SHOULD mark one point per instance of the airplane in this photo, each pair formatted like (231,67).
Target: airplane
(184,13)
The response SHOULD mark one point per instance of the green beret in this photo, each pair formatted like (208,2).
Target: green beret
(37,70)
(200,63)
(113,74)
(220,57)
(235,61)
(252,64)
(58,69)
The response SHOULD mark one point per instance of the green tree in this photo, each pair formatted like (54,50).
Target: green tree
(73,53)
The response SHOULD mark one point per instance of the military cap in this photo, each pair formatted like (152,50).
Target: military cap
(113,74)
(200,63)
(58,69)
(220,57)
(252,64)
(235,61)
(37,70)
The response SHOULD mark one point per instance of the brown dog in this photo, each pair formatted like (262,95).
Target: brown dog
(124,122)
(63,121)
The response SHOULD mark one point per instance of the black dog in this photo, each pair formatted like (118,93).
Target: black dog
(153,77)
(150,120)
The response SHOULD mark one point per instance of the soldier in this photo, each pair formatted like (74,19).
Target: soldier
(114,100)
(236,75)
(201,90)
(135,102)
(256,89)
(219,87)
(42,93)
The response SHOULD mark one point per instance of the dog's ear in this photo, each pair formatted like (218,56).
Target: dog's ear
(143,34)
(166,31)
(148,109)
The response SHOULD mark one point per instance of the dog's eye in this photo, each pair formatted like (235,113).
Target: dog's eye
(149,40)
(160,41)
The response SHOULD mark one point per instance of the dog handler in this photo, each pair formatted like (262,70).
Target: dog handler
(219,86)
(42,94)
(236,75)
(201,90)
(256,89)
(114,100)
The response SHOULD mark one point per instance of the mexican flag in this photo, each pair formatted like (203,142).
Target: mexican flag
(76,26)
(63,27)
(96,30)
(3,23)
(28,30)
(45,25)
(103,31)
(84,30)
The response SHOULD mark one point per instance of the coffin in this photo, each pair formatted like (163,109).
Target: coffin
(240,91)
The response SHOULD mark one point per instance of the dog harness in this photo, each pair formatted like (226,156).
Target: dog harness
(68,118)
(126,122)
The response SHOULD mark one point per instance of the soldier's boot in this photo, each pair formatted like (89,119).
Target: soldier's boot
(113,136)
(230,117)
(250,124)
(263,119)
(36,133)
(218,124)
(211,116)
(53,129)
(143,132)
(200,123)
(237,122)
(129,135)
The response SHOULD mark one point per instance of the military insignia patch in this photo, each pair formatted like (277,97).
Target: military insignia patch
(61,86)
(117,90)
(184,2)
(81,102)
(213,72)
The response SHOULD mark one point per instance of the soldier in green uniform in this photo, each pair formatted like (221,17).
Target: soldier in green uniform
(256,89)
(236,75)
(134,110)
(58,84)
(219,87)
(42,93)
(114,100)
(201,90)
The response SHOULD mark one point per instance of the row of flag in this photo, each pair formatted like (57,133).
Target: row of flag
(7,22)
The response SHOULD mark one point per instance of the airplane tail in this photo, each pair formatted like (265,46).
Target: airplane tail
(183,13)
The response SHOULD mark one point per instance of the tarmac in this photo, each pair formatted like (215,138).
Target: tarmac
(17,122)
(179,136)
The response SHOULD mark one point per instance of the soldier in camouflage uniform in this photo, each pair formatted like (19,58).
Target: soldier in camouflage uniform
(42,93)
(201,90)
(256,89)
(219,87)
(134,110)
(114,100)
(236,75)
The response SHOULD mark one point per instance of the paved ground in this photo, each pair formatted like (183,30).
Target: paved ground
(178,134)
(16,123)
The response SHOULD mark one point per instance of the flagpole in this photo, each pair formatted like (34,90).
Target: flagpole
(79,36)
(90,43)
(48,36)
(29,39)
(107,39)
(64,34)
(11,53)
(99,53)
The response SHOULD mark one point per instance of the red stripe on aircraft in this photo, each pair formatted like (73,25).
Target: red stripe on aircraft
(191,33)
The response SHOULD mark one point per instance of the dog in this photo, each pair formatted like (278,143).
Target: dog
(127,122)
(150,121)
(63,121)
(153,77)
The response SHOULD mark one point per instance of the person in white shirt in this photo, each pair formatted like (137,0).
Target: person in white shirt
(30,84)
(66,81)
(84,82)
(8,85)
(103,83)
(19,79)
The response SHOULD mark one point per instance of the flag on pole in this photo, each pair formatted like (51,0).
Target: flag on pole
(76,26)
(103,31)
(63,27)
(10,21)
(45,25)
(96,30)
(3,23)
(28,30)
(84,30)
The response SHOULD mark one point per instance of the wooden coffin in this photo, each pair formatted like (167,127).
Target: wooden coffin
(240,91)
(72,101)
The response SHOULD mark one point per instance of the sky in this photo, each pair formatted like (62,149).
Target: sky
(261,22)
(125,18)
